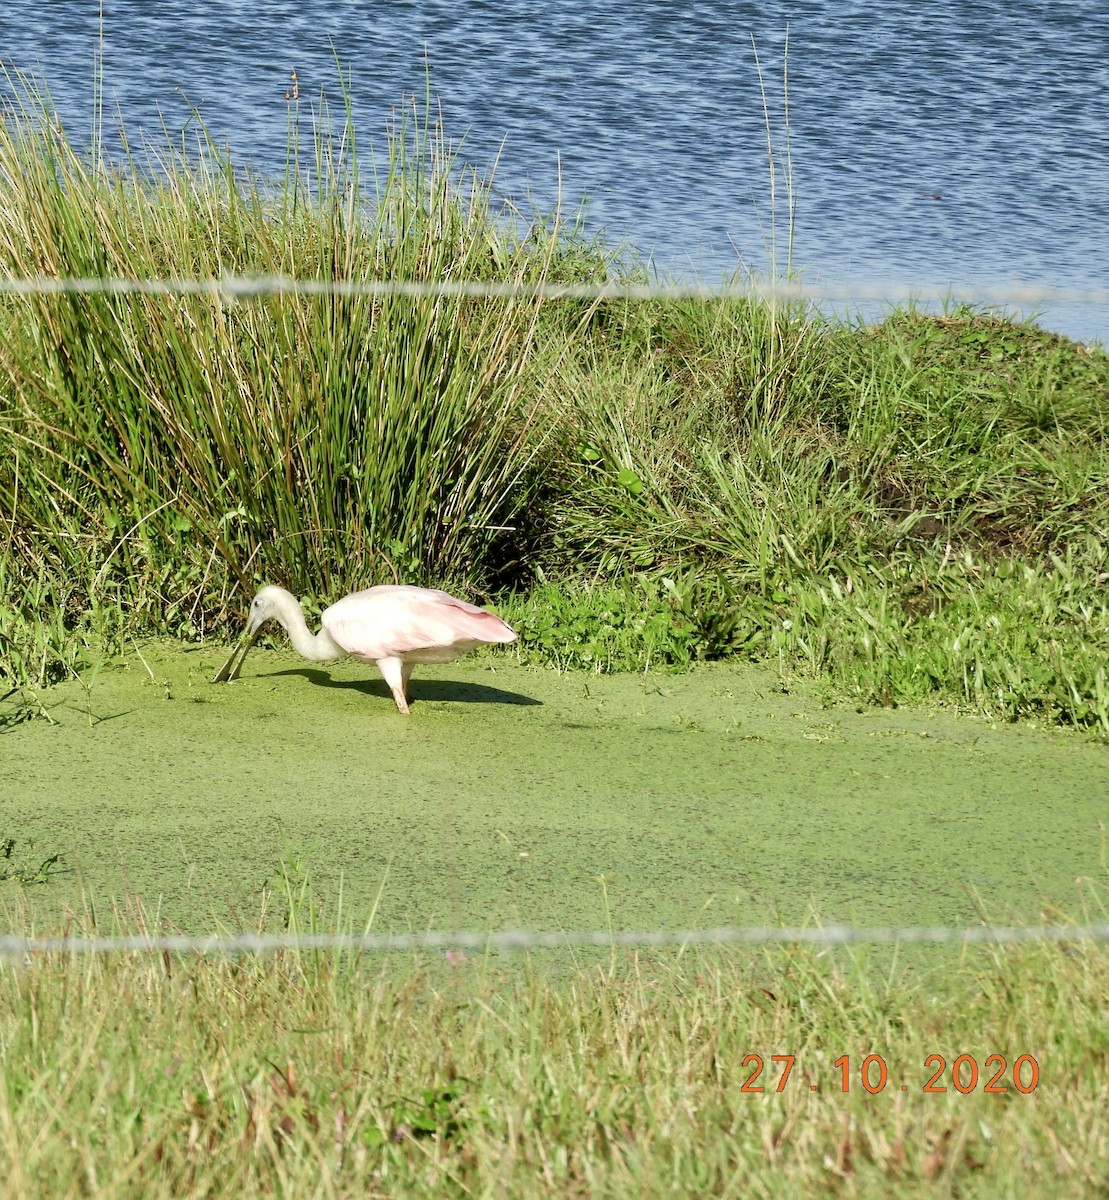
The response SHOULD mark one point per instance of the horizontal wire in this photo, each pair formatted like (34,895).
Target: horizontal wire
(238,287)
(827,935)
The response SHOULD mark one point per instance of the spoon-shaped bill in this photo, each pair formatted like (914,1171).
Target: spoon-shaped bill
(230,669)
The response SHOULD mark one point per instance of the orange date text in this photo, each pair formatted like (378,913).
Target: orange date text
(871,1073)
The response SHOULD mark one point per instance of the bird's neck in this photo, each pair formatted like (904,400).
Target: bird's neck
(319,647)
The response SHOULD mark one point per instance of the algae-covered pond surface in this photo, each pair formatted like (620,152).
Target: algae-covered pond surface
(520,797)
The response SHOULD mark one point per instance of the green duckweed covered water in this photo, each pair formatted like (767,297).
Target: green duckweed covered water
(517,797)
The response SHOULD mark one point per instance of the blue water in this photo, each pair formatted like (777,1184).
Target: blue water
(932,143)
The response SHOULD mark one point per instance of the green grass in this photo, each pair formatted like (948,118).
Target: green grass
(330,1074)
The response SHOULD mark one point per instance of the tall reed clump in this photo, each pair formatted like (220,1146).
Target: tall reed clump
(160,449)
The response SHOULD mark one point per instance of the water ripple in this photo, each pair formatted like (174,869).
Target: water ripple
(933,143)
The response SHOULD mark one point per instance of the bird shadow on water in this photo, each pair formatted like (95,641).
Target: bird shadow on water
(419,689)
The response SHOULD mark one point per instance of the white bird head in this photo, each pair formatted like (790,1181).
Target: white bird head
(269,604)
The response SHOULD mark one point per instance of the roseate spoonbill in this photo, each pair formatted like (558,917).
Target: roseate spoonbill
(395,626)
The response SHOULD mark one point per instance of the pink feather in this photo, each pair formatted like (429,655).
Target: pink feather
(417,624)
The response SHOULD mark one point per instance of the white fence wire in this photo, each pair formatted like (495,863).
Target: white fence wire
(239,287)
(824,935)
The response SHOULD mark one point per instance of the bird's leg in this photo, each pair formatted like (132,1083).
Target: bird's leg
(396,674)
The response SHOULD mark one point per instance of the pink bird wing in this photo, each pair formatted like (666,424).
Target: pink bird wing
(392,621)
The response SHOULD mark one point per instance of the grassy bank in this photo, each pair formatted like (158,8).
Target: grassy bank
(329,1075)
(913,509)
